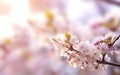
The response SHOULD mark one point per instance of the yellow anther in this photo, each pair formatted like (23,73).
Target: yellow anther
(50,18)
(49,15)
(68,36)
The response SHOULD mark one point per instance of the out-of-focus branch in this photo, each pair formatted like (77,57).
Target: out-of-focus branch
(112,2)
(100,7)
(108,1)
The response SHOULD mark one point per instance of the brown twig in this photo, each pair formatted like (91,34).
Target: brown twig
(111,44)
(103,59)
(116,39)
(70,48)
(108,63)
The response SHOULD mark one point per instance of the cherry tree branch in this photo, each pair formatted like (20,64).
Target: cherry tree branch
(112,2)
(98,61)
(108,63)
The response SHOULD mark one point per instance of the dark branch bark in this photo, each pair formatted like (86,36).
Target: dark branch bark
(108,63)
(103,59)
(116,39)
(110,45)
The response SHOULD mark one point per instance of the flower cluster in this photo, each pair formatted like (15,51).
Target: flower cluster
(83,54)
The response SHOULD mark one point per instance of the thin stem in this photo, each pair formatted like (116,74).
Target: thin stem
(110,45)
(116,39)
(103,59)
(108,63)
(70,48)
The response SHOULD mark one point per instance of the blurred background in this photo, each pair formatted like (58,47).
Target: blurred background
(27,27)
